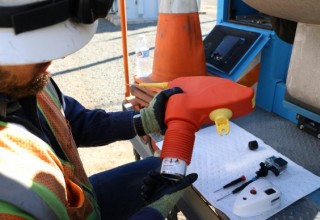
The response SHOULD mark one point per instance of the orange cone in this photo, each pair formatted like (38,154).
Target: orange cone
(178,48)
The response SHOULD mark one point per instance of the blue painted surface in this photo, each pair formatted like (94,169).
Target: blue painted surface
(278,104)
(275,59)
(308,114)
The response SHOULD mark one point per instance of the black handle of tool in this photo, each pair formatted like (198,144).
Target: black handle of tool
(240,179)
(240,188)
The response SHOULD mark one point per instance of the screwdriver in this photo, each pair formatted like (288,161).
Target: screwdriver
(240,188)
(234,182)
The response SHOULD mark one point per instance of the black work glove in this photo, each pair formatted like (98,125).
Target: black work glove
(162,194)
(155,185)
(152,117)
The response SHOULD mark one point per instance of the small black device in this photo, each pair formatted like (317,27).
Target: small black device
(253,145)
(276,164)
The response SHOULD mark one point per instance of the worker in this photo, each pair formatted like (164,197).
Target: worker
(41,174)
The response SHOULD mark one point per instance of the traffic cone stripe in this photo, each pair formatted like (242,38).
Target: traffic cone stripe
(178,6)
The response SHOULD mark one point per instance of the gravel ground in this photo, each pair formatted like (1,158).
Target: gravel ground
(95,77)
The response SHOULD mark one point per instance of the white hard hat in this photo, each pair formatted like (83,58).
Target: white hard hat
(35,31)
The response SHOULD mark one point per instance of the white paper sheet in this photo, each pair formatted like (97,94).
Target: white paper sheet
(220,159)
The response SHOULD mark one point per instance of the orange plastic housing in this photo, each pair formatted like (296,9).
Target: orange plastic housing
(187,112)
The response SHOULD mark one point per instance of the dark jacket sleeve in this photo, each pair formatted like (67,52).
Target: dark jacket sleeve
(96,127)
(147,213)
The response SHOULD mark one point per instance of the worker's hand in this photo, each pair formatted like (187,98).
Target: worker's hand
(156,186)
(153,116)
(162,194)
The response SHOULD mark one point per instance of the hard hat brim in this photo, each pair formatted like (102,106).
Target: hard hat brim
(44,44)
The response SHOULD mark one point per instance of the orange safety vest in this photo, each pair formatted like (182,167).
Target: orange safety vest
(34,179)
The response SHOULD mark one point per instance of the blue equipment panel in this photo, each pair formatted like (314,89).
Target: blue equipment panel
(225,47)
(241,34)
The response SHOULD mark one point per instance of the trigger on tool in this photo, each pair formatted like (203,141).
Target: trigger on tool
(221,119)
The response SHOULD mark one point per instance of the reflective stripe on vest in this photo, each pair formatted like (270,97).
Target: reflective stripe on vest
(25,159)
(21,196)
